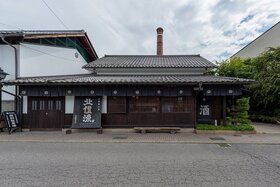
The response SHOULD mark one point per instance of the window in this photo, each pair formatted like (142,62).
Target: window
(42,105)
(144,104)
(57,105)
(176,104)
(116,105)
(50,105)
(34,105)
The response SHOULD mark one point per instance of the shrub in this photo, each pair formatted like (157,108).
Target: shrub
(241,127)
(239,112)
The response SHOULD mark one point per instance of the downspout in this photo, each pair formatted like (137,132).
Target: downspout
(16,59)
(16,69)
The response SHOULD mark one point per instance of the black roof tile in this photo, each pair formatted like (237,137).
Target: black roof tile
(150,61)
(91,79)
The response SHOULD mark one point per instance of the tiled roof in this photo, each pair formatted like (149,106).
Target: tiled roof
(150,61)
(28,33)
(17,36)
(91,79)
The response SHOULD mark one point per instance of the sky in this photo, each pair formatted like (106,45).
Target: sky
(215,29)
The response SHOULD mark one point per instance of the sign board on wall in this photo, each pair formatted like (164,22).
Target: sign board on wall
(87,112)
(204,109)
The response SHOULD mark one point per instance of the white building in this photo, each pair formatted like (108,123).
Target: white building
(42,53)
(270,38)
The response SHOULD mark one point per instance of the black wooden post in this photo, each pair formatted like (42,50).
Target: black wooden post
(224,110)
(2,77)
(0,99)
(195,115)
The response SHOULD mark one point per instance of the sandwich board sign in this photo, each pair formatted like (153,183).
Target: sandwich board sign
(11,120)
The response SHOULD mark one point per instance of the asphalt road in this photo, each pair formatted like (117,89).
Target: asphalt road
(115,164)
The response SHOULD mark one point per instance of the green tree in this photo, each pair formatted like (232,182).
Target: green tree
(265,70)
(237,67)
(266,89)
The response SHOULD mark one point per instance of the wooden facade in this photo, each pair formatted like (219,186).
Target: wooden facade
(129,106)
(149,111)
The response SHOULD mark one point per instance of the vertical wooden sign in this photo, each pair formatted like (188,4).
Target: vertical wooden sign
(87,112)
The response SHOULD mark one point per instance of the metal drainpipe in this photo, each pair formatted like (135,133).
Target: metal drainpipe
(16,68)
(16,59)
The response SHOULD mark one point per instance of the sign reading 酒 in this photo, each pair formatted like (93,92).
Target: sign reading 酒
(204,110)
(87,112)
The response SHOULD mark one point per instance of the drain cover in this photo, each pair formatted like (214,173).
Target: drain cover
(119,138)
(239,135)
(217,138)
(224,145)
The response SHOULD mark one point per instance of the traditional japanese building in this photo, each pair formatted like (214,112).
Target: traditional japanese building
(129,91)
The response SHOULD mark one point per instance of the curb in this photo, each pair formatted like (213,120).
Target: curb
(158,142)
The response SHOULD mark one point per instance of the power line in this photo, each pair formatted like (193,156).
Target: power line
(55,14)
(67,59)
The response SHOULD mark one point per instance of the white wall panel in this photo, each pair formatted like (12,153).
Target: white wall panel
(104,105)
(69,104)
(24,104)
(7,63)
(39,60)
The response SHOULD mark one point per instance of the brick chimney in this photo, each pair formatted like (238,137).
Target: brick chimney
(159,41)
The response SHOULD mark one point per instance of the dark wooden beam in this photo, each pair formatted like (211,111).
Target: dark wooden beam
(224,110)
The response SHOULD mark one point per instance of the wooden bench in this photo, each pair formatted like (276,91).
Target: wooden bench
(98,131)
(144,130)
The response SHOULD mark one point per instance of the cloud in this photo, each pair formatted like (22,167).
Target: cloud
(246,19)
(215,29)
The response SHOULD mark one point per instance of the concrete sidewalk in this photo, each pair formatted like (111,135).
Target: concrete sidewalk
(267,128)
(266,134)
(129,137)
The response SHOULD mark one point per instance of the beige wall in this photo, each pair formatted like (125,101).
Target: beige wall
(271,38)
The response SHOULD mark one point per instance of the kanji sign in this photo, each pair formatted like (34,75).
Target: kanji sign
(204,110)
(87,112)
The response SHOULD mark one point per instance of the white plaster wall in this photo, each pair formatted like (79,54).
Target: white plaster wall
(7,63)
(69,104)
(104,105)
(24,104)
(39,60)
(269,39)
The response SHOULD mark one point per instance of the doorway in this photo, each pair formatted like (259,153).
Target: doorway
(45,113)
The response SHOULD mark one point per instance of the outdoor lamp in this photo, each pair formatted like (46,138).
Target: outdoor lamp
(2,74)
